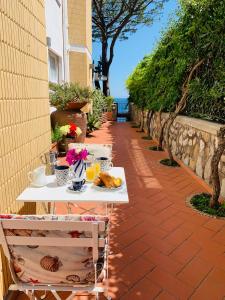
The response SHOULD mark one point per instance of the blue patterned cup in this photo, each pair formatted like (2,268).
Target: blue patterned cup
(61,174)
(104,162)
(77,183)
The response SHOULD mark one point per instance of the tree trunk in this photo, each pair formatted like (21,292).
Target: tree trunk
(170,121)
(105,68)
(214,201)
(161,132)
(149,119)
(105,84)
(179,107)
(142,120)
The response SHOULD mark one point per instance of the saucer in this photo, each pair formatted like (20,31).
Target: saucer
(83,189)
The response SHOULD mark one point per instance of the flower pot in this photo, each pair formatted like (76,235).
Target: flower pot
(65,117)
(104,117)
(75,105)
(109,116)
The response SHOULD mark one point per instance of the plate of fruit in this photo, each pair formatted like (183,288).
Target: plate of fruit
(107,182)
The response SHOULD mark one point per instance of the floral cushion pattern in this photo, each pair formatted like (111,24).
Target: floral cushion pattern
(55,265)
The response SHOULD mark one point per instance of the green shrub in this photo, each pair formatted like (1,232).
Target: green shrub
(62,94)
(201,203)
(168,162)
(109,102)
(99,104)
(56,134)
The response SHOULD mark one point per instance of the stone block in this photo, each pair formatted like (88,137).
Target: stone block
(223,170)
(192,164)
(223,158)
(207,170)
(205,137)
(190,142)
(202,145)
(186,160)
(195,152)
(191,132)
(223,187)
(199,167)
(185,142)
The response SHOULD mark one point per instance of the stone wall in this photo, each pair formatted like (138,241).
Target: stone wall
(193,142)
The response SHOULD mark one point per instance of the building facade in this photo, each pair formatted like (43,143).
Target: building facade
(69,39)
(28,61)
(24,104)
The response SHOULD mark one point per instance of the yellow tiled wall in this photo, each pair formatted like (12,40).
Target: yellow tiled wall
(89,25)
(80,35)
(24,104)
(80,68)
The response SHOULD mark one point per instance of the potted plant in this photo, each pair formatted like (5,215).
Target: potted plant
(64,135)
(93,123)
(56,137)
(70,99)
(69,96)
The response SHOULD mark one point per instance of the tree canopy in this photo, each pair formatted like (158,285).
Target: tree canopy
(198,33)
(115,20)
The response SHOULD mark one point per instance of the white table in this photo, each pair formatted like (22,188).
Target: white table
(53,193)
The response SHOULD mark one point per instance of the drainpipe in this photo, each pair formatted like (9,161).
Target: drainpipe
(65,41)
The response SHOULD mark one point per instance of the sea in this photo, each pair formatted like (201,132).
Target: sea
(122,108)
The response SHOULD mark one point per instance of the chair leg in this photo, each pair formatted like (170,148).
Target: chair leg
(97,296)
(30,295)
(71,296)
(55,294)
(44,295)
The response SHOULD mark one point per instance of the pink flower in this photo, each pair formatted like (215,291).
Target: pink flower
(72,156)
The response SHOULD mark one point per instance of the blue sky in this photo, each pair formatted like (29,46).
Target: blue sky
(128,53)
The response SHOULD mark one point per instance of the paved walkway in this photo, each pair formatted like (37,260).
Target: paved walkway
(161,248)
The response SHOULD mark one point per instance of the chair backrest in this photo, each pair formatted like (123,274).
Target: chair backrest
(97,150)
(43,238)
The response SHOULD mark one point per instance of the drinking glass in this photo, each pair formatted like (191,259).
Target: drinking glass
(90,173)
(97,167)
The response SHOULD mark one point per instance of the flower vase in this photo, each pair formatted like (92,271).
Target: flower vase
(79,169)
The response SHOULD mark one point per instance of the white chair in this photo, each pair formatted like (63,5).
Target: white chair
(97,150)
(56,253)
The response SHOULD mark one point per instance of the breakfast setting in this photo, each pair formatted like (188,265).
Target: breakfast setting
(86,174)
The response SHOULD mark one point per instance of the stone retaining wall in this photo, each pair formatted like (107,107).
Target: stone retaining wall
(193,142)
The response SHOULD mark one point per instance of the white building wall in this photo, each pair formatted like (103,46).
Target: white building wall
(54,30)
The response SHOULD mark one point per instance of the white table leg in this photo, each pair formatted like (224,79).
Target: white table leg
(52,210)
(45,208)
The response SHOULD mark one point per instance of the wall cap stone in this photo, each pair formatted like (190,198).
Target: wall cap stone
(199,124)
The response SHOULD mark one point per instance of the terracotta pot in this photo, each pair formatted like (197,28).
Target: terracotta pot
(65,117)
(104,117)
(109,116)
(75,105)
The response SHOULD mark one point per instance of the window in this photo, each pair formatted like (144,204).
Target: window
(53,66)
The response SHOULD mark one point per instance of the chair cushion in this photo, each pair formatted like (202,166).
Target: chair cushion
(54,265)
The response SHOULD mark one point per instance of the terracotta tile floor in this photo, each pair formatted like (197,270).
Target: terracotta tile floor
(161,248)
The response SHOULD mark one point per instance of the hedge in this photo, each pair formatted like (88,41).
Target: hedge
(198,33)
